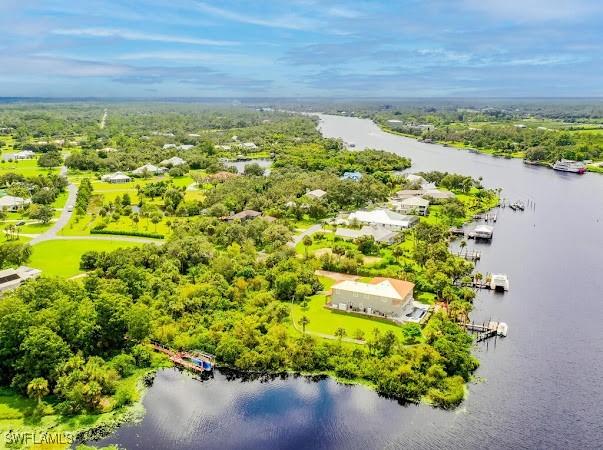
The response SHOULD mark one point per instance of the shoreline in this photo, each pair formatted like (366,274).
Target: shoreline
(457,146)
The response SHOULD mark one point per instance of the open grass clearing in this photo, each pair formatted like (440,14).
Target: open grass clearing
(62,258)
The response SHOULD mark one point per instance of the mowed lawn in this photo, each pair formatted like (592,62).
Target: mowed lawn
(326,321)
(26,167)
(62,257)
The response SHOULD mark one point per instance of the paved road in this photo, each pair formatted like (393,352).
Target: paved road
(63,218)
(307,232)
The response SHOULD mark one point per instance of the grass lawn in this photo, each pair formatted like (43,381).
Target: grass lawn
(62,258)
(27,167)
(325,321)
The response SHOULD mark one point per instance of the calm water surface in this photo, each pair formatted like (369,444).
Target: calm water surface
(539,388)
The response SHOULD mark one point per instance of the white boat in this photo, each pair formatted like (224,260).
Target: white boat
(502,329)
(499,282)
(567,165)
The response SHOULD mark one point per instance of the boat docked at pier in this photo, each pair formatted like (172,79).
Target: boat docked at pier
(568,165)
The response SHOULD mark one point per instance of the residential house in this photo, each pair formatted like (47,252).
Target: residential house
(412,205)
(436,194)
(316,194)
(12,278)
(11,203)
(249,145)
(23,154)
(173,161)
(185,146)
(148,169)
(386,297)
(379,234)
(243,215)
(385,218)
(168,146)
(116,178)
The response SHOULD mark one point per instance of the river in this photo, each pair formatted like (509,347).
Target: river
(538,388)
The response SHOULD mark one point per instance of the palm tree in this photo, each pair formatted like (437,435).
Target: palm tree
(304,321)
(340,333)
(38,389)
(307,241)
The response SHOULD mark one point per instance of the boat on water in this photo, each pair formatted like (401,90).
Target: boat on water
(502,329)
(568,165)
(499,282)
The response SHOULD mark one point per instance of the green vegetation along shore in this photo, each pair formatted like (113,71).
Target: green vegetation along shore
(202,256)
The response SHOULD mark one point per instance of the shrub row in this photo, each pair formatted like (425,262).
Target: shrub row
(127,233)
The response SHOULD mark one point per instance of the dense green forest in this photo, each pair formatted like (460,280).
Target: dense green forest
(227,287)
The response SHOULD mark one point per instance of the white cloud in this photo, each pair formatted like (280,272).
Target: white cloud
(291,22)
(138,36)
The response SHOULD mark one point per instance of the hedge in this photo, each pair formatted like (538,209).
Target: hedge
(127,233)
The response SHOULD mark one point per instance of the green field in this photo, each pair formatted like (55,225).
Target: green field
(27,167)
(62,258)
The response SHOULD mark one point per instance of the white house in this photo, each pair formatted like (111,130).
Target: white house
(316,193)
(173,161)
(412,205)
(23,154)
(167,146)
(249,145)
(379,234)
(386,297)
(148,169)
(385,218)
(185,146)
(116,178)
(12,278)
(11,203)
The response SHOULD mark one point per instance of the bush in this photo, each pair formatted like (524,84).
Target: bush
(99,230)
(124,397)
(142,356)
(124,364)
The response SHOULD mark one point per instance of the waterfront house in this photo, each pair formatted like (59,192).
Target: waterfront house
(11,203)
(316,194)
(116,178)
(173,161)
(412,205)
(436,194)
(384,218)
(386,297)
(12,278)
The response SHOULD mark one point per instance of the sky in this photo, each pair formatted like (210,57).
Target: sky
(301,48)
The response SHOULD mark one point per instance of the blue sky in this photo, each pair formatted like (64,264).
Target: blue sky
(300,48)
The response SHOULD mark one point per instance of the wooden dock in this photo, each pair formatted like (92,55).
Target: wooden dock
(483,331)
(184,359)
(470,255)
